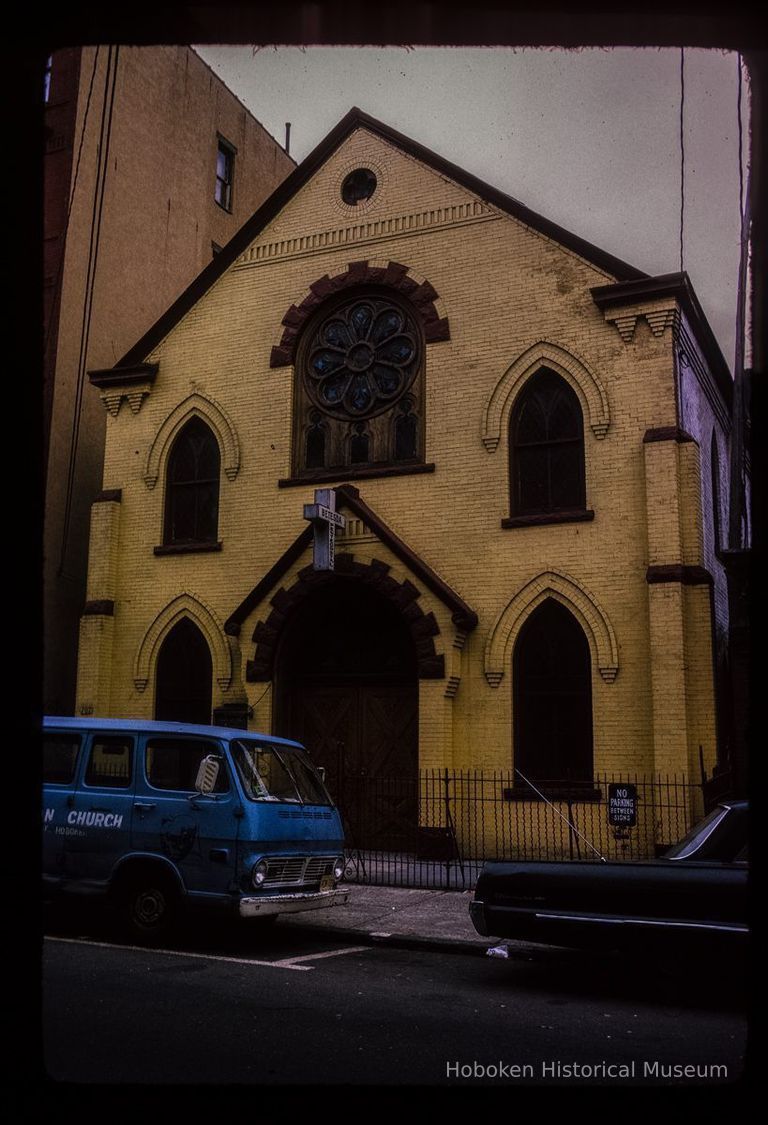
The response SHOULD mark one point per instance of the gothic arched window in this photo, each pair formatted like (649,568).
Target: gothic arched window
(315,439)
(192,486)
(359,444)
(360,362)
(406,431)
(552,684)
(184,676)
(546,448)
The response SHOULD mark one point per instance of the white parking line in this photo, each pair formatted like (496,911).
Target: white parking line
(180,953)
(291,962)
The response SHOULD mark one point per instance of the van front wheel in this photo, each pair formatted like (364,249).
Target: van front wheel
(149,907)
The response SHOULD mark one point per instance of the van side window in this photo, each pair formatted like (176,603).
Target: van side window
(109,763)
(60,758)
(172,763)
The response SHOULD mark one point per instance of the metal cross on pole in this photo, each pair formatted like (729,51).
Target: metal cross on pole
(325,519)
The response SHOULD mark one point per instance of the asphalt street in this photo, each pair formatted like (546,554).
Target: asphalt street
(299,1007)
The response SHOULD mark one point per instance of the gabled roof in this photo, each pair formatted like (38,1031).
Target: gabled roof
(347,496)
(303,173)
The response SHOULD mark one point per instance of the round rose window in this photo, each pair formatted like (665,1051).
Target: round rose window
(362,359)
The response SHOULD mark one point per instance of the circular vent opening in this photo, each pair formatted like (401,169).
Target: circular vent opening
(358,186)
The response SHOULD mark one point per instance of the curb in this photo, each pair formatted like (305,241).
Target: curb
(464,946)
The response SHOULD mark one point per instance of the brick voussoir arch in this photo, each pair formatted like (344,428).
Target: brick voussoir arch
(575,371)
(200,406)
(403,595)
(394,276)
(184,605)
(577,599)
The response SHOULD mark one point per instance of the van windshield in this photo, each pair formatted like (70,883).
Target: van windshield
(278,773)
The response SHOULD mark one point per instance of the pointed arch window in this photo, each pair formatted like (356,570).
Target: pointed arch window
(552,701)
(359,444)
(192,487)
(184,684)
(406,431)
(546,450)
(315,441)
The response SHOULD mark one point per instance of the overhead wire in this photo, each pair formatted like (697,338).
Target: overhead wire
(741,147)
(676,321)
(60,267)
(93,253)
(682,153)
(738,518)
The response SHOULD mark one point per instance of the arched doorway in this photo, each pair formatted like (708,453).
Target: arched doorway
(347,688)
(184,676)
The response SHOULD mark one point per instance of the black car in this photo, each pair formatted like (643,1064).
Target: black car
(696,892)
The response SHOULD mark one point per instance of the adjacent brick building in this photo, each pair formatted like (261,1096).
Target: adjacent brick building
(529,440)
(151,164)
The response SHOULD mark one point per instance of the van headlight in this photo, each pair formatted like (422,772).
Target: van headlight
(259,873)
(338,867)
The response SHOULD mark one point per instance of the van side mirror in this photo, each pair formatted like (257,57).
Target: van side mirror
(207,774)
(321,771)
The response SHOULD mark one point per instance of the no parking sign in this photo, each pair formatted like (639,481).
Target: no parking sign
(622,804)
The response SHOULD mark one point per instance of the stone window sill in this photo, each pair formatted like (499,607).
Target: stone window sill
(187,548)
(367,473)
(571,515)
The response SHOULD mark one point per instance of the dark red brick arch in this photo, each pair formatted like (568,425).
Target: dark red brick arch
(394,276)
(403,595)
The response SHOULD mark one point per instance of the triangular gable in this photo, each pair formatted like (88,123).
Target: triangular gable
(282,195)
(347,496)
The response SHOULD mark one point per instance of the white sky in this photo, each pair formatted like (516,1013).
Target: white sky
(588,138)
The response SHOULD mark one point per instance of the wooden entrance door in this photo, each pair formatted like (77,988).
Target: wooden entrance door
(365,733)
(347,688)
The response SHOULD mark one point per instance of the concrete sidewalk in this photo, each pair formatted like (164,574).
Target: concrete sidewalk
(401,916)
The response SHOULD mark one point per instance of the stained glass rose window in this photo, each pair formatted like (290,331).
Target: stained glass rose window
(361,359)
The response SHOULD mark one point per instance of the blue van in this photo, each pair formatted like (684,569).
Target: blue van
(158,814)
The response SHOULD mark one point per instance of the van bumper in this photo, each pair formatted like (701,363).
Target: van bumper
(259,907)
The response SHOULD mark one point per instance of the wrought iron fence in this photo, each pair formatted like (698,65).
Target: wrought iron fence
(437,829)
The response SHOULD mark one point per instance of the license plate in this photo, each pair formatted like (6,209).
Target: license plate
(326,883)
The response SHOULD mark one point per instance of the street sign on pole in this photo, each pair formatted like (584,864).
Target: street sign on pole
(325,519)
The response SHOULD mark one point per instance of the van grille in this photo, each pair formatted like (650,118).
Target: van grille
(290,871)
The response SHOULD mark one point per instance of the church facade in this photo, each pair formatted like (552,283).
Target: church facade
(528,441)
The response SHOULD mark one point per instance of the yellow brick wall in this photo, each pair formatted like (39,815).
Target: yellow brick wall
(663,502)
(105,550)
(667,673)
(505,289)
(94,669)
